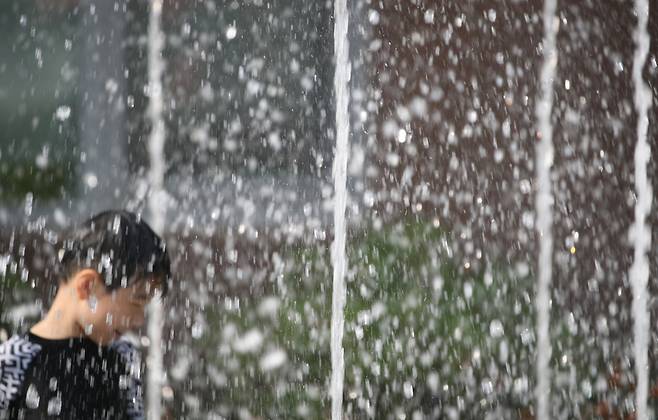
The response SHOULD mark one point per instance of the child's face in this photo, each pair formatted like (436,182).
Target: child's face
(110,314)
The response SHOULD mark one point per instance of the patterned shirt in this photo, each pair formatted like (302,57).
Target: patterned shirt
(72,378)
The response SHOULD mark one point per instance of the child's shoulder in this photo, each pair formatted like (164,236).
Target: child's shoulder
(16,354)
(130,355)
(127,349)
(18,343)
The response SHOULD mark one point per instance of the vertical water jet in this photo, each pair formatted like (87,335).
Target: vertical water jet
(338,257)
(640,233)
(156,204)
(543,204)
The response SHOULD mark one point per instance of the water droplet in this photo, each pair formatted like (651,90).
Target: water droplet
(29,201)
(32,397)
(437,283)
(520,385)
(186,29)
(488,278)
(88,329)
(231,32)
(496,329)
(42,158)
(429,16)
(91,180)
(116,225)
(525,186)
(586,387)
(273,360)
(93,303)
(487,387)
(408,390)
(123,381)
(373,17)
(197,330)
(472,116)
(111,86)
(55,405)
(38,55)
(63,113)
(468,290)
(402,135)
(452,137)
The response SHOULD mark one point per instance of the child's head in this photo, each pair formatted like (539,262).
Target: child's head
(111,266)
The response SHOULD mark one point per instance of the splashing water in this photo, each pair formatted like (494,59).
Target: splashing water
(640,234)
(155,200)
(32,397)
(55,405)
(338,258)
(544,199)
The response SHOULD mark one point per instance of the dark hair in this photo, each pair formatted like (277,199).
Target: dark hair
(120,246)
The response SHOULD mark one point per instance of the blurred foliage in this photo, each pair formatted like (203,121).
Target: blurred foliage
(38,83)
(17,179)
(422,334)
(14,293)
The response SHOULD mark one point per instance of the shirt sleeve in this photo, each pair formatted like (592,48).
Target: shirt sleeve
(130,381)
(16,354)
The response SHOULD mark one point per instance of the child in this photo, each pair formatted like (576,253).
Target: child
(70,365)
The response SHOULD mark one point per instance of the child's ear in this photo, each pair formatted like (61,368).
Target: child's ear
(85,283)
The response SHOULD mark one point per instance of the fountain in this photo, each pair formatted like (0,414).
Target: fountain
(338,257)
(423,224)
(157,204)
(640,234)
(544,159)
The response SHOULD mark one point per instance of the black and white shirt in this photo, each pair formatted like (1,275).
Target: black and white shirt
(73,378)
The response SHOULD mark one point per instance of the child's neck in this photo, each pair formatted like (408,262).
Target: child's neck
(60,321)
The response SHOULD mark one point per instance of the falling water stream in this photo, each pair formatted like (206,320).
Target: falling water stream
(640,234)
(156,203)
(338,258)
(447,313)
(544,199)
